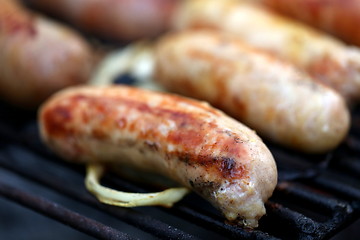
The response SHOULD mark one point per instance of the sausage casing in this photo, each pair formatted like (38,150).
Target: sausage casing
(183,139)
(268,95)
(37,56)
(333,16)
(120,20)
(323,57)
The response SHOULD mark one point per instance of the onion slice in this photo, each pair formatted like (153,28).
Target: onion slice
(166,198)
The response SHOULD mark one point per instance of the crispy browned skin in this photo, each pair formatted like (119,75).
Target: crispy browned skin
(122,20)
(183,139)
(270,96)
(325,58)
(337,17)
(38,57)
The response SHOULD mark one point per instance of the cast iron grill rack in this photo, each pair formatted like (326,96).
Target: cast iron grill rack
(317,195)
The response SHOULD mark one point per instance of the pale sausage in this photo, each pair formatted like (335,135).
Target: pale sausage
(38,56)
(186,140)
(281,103)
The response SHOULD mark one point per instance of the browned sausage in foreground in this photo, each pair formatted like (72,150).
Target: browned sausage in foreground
(337,17)
(270,96)
(323,57)
(121,20)
(186,140)
(37,56)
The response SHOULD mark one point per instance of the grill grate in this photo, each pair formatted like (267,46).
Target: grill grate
(55,211)
(317,196)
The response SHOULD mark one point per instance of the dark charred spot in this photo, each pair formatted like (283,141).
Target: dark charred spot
(152,146)
(203,187)
(127,143)
(227,166)
(182,124)
(228,133)
(62,113)
(168,157)
(234,137)
(238,140)
(182,117)
(184,158)
(191,183)
(141,150)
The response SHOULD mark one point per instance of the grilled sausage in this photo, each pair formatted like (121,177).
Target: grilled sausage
(38,57)
(270,96)
(323,57)
(333,16)
(122,20)
(183,139)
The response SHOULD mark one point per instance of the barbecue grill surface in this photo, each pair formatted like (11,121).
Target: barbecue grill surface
(316,198)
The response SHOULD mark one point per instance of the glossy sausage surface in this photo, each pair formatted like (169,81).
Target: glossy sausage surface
(38,56)
(336,17)
(272,97)
(183,139)
(323,57)
(119,20)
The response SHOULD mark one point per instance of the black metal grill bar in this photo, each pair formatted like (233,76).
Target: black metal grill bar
(293,166)
(61,214)
(336,187)
(289,224)
(141,221)
(314,200)
(218,225)
(350,165)
(353,142)
(340,212)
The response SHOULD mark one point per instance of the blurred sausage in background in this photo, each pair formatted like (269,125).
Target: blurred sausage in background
(270,96)
(118,20)
(38,56)
(325,58)
(337,17)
